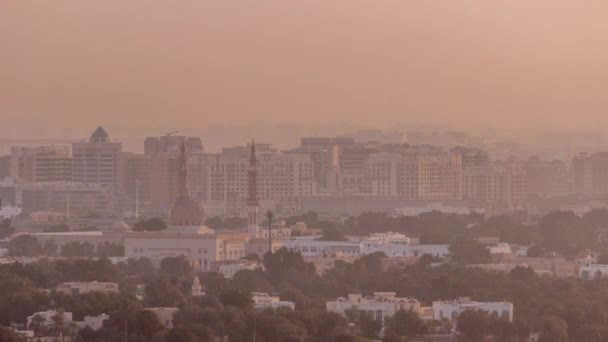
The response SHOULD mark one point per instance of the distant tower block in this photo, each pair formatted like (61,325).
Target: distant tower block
(253,208)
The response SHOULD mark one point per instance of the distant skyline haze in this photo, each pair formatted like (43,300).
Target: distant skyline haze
(139,66)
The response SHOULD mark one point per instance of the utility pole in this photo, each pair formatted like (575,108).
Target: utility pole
(269,215)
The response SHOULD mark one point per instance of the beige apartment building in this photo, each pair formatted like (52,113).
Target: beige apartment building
(41,164)
(415,176)
(96,161)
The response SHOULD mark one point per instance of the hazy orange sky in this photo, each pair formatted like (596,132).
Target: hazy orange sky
(66,66)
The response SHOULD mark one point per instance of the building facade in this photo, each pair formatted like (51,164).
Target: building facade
(97,160)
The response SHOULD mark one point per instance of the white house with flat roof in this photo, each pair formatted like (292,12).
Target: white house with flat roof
(593,271)
(310,247)
(450,310)
(264,301)
(78,288)
(380,305)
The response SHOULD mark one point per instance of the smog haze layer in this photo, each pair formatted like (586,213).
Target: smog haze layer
(142,67)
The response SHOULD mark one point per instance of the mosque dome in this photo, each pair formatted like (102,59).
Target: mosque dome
(187,212)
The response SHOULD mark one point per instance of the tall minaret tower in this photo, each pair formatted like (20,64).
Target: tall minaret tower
(253,207)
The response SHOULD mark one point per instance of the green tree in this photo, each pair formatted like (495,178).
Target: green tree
(181,334)
(38,326)
(469,251)
(147,323)
(474,325)
(176,267)
(408,323)
(153,224)
(553,329)
(9,335)
(108,249)
(333,233)
(536,251)
(6,229)
(237,298)
(24,245)
(62,227)
(78,249)
(161,291)
(50,248)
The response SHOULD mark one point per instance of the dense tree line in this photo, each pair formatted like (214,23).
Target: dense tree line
(560,232)
(29,246)
(561,309)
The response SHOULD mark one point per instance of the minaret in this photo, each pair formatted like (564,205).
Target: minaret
(253,207)
(182,172)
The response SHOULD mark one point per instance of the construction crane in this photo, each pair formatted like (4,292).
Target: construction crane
(168,134)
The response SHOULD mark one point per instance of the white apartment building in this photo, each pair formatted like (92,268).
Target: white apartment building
(78,288)
(450,310)
(263,301)
(231,267)
(93,322)
(48,316)
(309,247)
(593,271)
(395,250)
(500,248)
(380,305)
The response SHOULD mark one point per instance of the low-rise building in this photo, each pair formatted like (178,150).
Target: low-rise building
(396,250)
(593,271)
(78,288)
(309,247)
(93,322)
(380,305)
(49,315)
(500,248)
(450,310)
(229,268)
(263,301)
(164,314)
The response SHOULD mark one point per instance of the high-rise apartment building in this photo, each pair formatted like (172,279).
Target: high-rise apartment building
(414,174)
(97,161)
(223,178)
(487,183)
(5,166)
(546,177)
(163,180)
(71,199)
(135,173)
(496,184)
(41,164)
(170,144)
(590,173)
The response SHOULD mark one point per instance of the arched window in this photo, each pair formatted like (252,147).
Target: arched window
(454,315)
(505,315)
